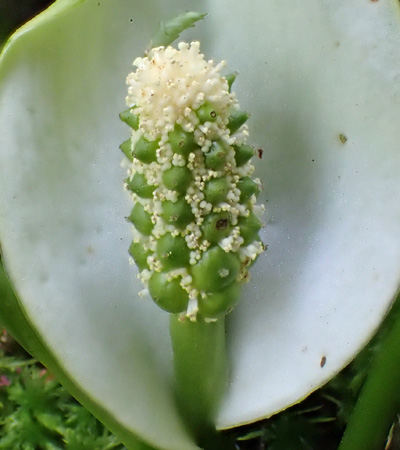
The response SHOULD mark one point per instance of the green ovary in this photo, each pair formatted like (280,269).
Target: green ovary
(216,227)
(216,270)
(249,228)
(216,190)
(139,254)
(168,294)
(181,141)
(131,119)
(236,120)
(195,221)
(216,157)
(145,150)
(172,251)
(247,188)
(243,154)
(139,186)
(177,213)
(177,179)
(217,304)
(141,219)
(207,113)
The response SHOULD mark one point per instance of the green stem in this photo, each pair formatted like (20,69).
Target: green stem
(379,400)
(201,373)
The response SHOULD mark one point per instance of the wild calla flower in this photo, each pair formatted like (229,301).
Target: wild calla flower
(195,218)
(321,83)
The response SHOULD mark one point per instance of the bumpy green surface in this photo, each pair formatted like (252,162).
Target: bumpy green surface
(195,222)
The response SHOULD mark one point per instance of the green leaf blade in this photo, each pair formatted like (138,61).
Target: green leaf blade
(170,31)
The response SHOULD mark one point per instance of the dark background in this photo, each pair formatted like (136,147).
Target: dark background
(14,13)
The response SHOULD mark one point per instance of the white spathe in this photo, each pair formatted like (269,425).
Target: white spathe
(312,74)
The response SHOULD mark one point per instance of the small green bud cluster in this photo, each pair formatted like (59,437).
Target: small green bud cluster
(195,218)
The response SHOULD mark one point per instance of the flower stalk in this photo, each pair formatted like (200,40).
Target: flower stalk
(378,403)
(195,219)
(201,374)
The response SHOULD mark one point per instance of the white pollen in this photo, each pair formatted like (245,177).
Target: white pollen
(162,82)
(223,273)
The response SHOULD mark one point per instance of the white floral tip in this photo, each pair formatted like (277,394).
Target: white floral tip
(169,85)
(195,218)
